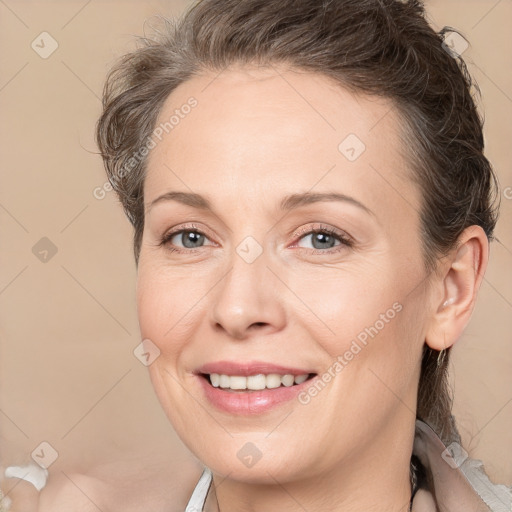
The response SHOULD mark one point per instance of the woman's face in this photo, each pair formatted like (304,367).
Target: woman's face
(232,281)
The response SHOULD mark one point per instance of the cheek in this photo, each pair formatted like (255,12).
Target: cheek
(365,319)
(343,303)
(164,308)
(166,304)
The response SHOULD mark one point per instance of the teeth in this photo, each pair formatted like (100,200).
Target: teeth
(255,382)
(300,379)
(224,381)
(215,380)
(273,381)
(238,382)
(287,380)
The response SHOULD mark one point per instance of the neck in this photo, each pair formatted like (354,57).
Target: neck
(377,480)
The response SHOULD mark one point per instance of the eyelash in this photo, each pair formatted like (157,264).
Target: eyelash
(168,236)
(345,240)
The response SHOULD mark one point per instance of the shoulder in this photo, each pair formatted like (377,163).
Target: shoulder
(127,486)
(456,481)
(74,491)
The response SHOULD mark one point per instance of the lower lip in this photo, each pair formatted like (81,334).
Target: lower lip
(251,402)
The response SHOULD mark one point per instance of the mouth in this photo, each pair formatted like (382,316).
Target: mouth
(254,389)
(254,383)
(251,387)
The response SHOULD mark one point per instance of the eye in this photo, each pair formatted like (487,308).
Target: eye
(323,239)
(189,239)
(185,239)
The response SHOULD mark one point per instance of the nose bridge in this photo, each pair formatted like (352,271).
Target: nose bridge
(247,294)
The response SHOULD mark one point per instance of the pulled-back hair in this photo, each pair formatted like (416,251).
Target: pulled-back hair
(383,48)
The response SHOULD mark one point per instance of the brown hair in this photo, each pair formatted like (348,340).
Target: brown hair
(379,47)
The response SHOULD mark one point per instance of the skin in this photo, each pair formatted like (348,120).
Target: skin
(257,135)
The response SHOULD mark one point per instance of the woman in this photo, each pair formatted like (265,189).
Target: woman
(312,212)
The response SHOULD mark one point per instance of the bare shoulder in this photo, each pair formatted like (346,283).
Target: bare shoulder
(74,491)
(140,483)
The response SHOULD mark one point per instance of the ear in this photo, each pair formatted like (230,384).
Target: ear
(456,287)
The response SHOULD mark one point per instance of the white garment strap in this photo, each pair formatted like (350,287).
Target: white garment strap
(198,498)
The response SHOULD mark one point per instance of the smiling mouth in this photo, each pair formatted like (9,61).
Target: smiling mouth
(251,383)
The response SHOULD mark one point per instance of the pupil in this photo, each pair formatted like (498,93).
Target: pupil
(324,240)
(189,237)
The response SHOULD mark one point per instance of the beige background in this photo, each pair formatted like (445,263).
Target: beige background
(68,326)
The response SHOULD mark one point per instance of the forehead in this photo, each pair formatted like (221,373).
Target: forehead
(263,131)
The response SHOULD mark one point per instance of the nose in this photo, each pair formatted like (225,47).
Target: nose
(248,300)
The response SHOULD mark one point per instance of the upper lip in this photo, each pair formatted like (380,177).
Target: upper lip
(249,368)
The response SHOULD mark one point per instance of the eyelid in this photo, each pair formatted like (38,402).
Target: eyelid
(344,237)
(168,235)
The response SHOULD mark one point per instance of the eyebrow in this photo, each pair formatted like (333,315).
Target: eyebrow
(297,200)
(288,203)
